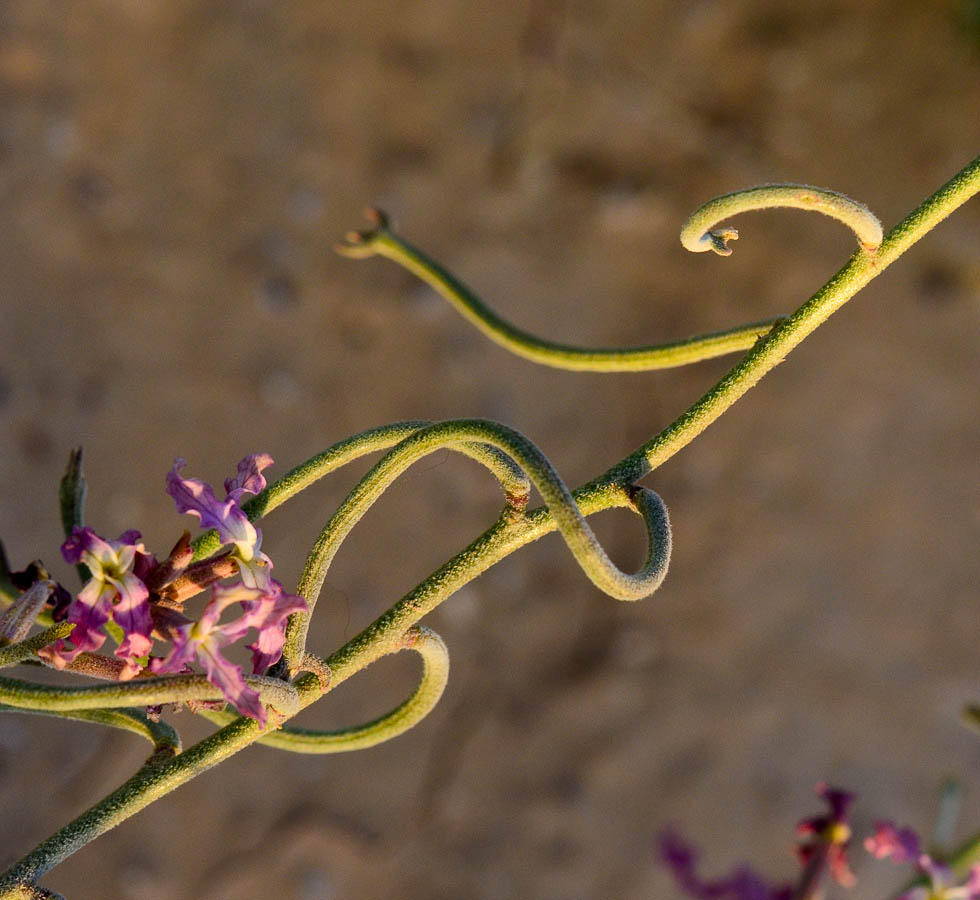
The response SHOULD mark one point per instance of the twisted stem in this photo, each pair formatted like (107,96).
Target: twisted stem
(565,513)
(569,521)
(512,478)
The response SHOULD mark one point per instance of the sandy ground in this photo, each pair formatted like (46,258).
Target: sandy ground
(172,177)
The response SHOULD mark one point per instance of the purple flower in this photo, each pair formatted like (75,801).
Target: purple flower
(204,640)
(742,883)
(225,516)
(115,591)
(902,845)
(249,478)
(829,835)
(271,606)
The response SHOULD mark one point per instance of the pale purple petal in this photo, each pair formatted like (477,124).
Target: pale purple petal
(183,652)
(131,612)
(939,874)
(89,612)
(198,499)
(249,478)
(223,596)
(269,615)
(257,572)
(84,541)
(229,679)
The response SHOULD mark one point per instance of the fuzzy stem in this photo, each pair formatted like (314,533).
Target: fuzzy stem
(139,692)
(25,649)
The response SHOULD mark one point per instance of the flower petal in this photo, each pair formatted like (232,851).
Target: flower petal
(269,614)
(131,612)
(229,679)
(198,499)
(249,478)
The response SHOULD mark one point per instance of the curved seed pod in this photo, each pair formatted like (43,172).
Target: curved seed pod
(701,232)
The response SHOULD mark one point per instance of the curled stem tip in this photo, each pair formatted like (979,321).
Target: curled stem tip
(700,233)
(359,244)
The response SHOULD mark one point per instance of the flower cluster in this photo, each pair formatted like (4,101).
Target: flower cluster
(269,605)
(824,844)
(138,600)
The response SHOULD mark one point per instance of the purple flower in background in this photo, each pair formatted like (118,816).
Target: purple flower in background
(742,883)
(888,841)
(826,839)
(114,592)
(829,835)
(902,845)
(271,605)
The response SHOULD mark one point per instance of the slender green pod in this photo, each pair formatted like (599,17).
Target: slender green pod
(701,233)
(382,241)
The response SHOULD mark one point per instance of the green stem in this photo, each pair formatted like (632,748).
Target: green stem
(150,783)
(699,233)
(607,490)
(383,242)
(777,344)
(139,692)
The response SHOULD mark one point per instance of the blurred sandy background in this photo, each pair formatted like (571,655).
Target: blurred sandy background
(172,177)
